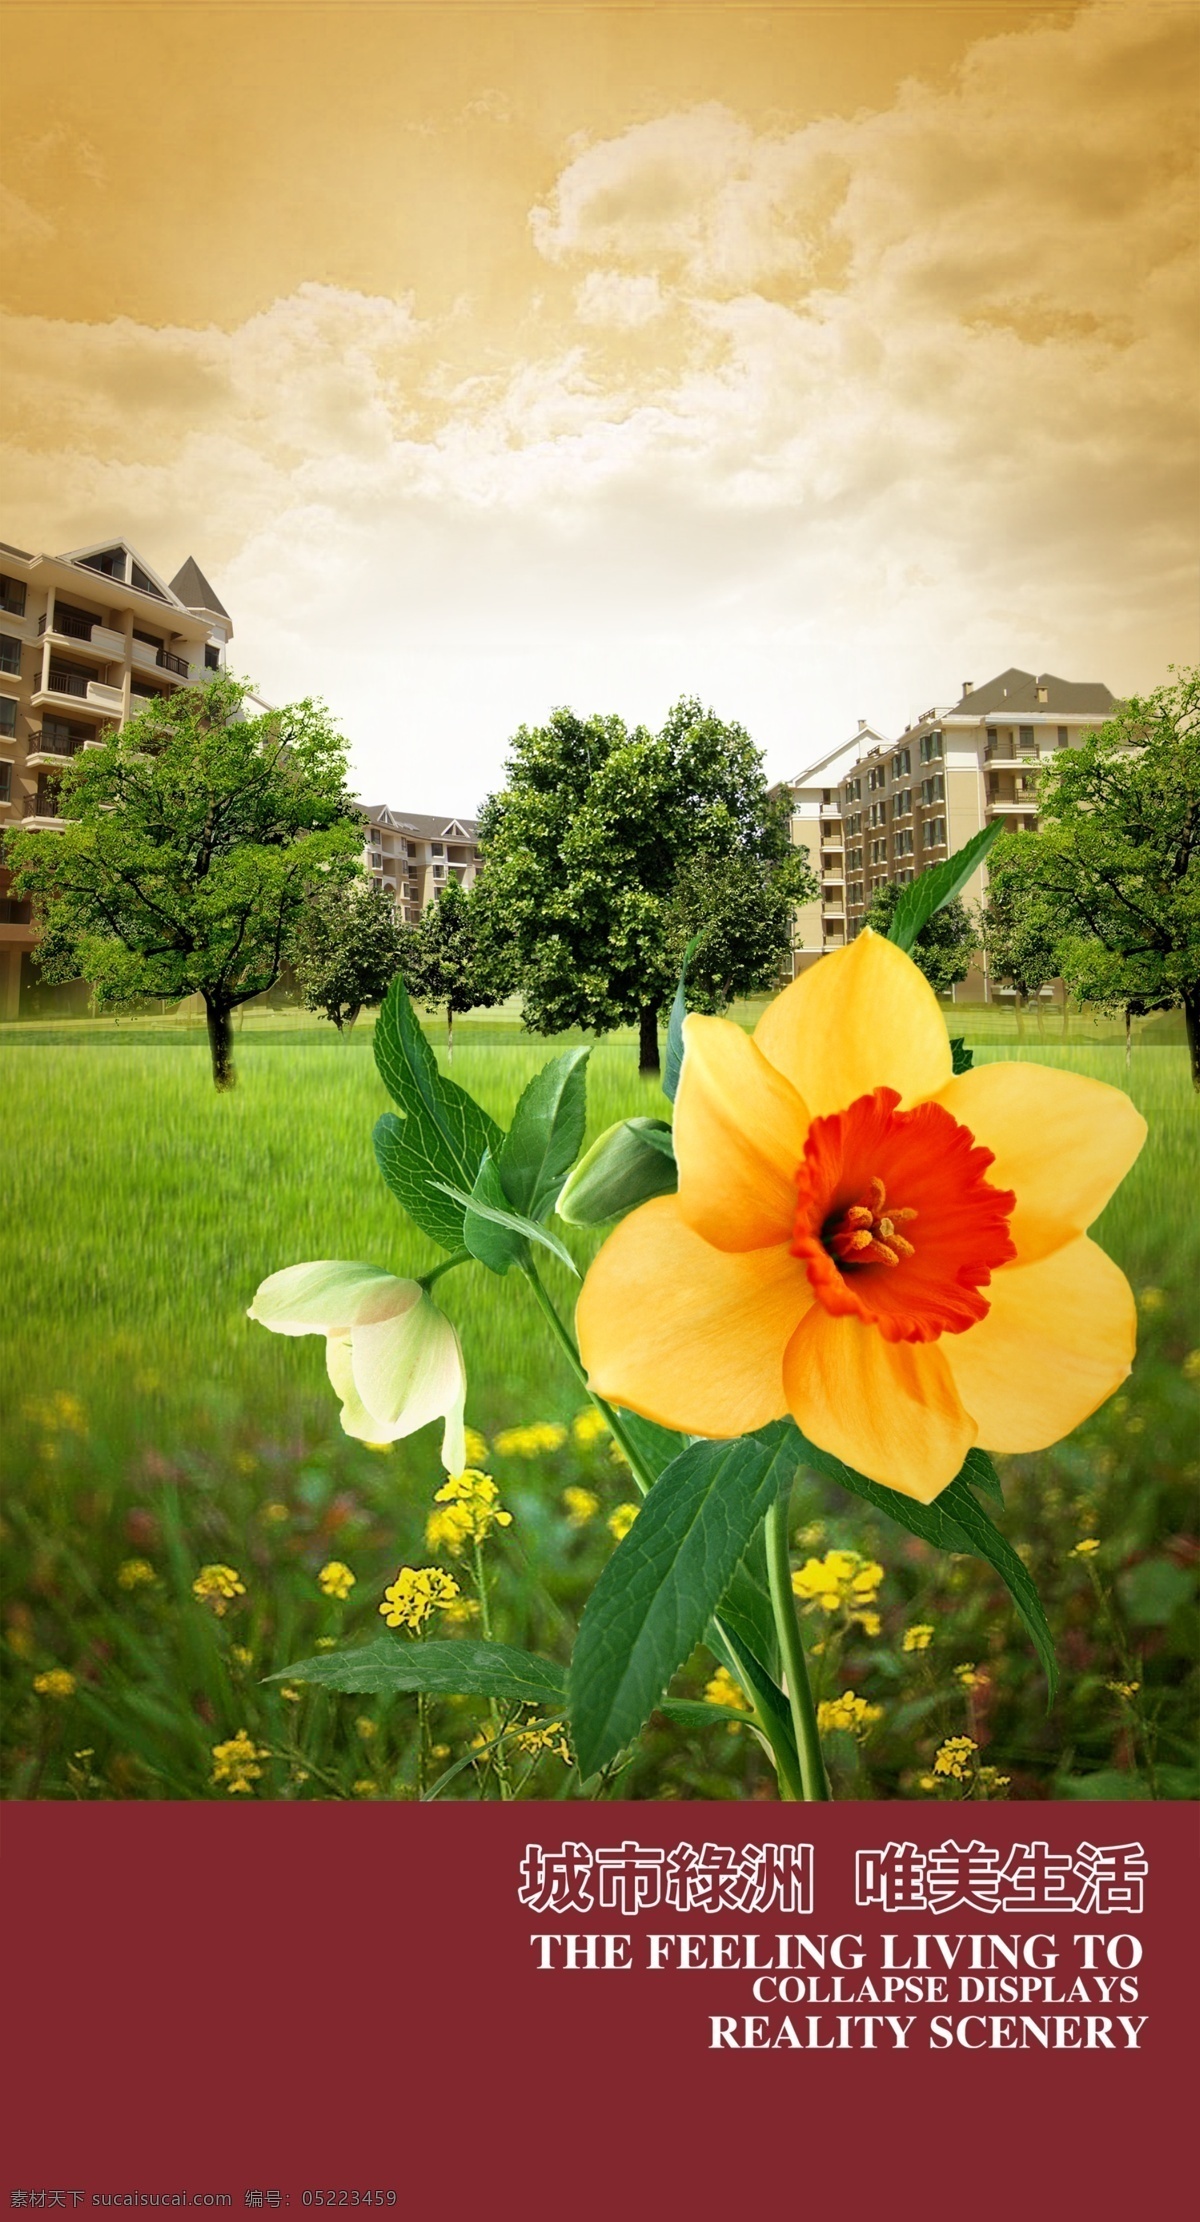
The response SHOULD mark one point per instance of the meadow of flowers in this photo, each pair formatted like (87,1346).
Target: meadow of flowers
(184,1517)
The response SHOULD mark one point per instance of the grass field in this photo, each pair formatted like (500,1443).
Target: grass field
(146,1420)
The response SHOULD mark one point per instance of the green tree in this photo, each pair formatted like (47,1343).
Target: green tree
(446,960)
(588,846)
(737,910)
(194,840)
(1018,927)
(349,947)
(1117,858)
(947,944)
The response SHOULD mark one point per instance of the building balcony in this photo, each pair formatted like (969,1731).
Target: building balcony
(41,810)
(1018,806)
(70,634)
(70,687)
(148,658)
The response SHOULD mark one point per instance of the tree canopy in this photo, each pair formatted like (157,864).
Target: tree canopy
(349,946)
(446,962)
(594,873)
(1116,862)
(195,838)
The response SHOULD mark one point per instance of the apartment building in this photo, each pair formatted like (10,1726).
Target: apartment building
(86,639)
(414,856)
(816,825)
(903,805)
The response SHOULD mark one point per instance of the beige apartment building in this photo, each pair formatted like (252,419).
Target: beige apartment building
(886,810)
(413,856)
(86,639)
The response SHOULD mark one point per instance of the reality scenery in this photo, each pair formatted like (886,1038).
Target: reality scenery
(600,1205)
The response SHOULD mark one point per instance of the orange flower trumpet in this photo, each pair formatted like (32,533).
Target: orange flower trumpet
(895,1255)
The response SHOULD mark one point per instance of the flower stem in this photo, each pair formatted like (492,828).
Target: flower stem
(456,1257)
(783,1605)
(784,1757)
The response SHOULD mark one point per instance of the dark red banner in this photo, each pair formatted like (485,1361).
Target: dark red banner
(933,2009)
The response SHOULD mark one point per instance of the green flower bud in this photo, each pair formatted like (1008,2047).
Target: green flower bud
(631,1162)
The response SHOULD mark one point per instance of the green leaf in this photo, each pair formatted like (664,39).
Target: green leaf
(495,1246)
(980,1472)
(746,1609)
(441,1669)
(933,889)
(400,1156)
(629,1163)
(480,1207)
(961,1058)
(689,1712)
(770,1698)
(674,1057)
(663,1583)
(445,1132)
(546,1135)
(955,1521)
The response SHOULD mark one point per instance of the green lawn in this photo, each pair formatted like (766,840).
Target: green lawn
(144,1416)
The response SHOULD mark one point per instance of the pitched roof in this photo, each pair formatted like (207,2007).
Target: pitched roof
(864,741)
(426,826)
(194,591)
(1014,690)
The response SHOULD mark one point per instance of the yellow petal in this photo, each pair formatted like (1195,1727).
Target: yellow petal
(739,1136)
(1062,1143)
(1059,1337)
(860,1019)
(889,1409)
(687,1335)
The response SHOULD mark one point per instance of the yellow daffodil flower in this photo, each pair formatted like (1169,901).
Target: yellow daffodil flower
(894,1255)
(394,1359)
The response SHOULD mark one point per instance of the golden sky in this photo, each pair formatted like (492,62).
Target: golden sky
(488,356)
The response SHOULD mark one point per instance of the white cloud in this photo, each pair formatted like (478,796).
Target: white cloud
(907,396)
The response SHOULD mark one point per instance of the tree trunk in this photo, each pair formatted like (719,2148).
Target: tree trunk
(1191,1016)
(1128,1036)
(449,1033)
(648,1042)
(220,1042)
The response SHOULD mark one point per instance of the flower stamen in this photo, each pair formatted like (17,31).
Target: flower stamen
(865,1233)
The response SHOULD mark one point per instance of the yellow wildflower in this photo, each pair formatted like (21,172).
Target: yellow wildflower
(290,1694)
(364,1787)
(848,1711)
(869,1622)
(459,1612)
(619,1522)
(365,1727)
(954,1757)
(1152,1299)
(61,1411)
(841,1578)
(217,1586)
(529,1442)
(471,1509)
(588,1427)
(336,1579)
(1123,1689)
(241,1655)
(476,1446)
(235,1764)
(990,1783)
(535,1737)
(1190,1368)
(136,1573)
(723,1690)
(807,1538)
(918,1637)
(57,1681)
(417,1592)
(1084,1549)
(327,1643)
(971,1677)
(274,1514)
(580,1506)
